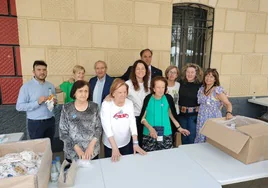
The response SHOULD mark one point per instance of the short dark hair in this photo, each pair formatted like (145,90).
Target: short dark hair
(144,50)
(158,78)
(39,62)
(77,85)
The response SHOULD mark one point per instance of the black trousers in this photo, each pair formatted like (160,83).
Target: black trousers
(44,128)
(126,150)
(139,130)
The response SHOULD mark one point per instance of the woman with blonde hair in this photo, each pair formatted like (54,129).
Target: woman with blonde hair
(119,123)
(66,87)
(191,81)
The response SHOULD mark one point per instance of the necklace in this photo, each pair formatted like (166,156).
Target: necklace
(208,91)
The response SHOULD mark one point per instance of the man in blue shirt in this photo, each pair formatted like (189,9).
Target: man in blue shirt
(32,98)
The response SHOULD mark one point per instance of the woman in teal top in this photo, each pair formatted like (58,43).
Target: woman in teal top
(66,87)
(157,111)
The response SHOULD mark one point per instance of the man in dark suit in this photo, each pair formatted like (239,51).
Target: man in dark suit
(146,56)
(100,84)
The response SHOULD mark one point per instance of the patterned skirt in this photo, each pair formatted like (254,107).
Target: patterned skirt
(151,144)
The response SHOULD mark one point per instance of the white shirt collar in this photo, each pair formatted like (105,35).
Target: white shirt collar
(102,79)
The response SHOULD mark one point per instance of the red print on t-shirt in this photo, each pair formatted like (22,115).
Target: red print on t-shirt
(120,114)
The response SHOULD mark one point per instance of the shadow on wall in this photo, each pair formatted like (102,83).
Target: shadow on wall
(13,121)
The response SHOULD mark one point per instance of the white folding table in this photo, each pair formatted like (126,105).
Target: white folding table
(159,169)
(13,137)
(166,168)
(224,168)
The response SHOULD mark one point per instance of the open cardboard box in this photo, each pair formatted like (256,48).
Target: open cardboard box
(41,179)
(248,142)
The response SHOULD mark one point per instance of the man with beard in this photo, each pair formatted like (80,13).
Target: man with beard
(32,98)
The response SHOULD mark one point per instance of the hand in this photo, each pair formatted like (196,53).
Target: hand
(137,149)
(89,151)
(55,101)
(42,99)
(108,98)
(153,133)
(116,155)
(185,132)
(71,80)
(229,116)
(79,152)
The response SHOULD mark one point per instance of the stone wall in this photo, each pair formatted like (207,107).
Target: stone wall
(240,45)
(69,32)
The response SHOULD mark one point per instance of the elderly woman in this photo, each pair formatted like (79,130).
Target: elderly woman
(172,73)
(191,81)
(80,125)
(158,108)
(119,124)
(138,89)
(211,97)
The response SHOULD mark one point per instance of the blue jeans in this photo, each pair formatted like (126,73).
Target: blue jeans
(189,123)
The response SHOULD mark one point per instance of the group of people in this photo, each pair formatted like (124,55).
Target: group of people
(136,113)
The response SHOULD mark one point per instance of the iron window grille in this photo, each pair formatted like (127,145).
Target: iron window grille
(192,34)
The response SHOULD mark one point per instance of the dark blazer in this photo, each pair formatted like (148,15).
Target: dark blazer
(171,106)
(106,88)
(155,72)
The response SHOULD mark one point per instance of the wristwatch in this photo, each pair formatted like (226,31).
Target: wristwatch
(136,142)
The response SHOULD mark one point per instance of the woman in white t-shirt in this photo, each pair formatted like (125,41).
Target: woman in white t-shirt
(172,73)
(138,90)
(119,124)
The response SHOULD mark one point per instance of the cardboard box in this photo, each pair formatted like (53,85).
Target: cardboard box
(41,179)
(247,142)
(177,139)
